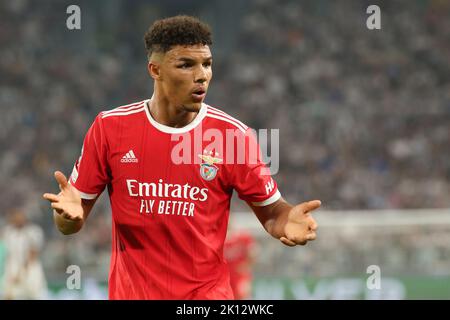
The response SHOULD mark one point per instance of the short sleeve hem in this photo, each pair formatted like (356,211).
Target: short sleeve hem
(272,199)
(86,196)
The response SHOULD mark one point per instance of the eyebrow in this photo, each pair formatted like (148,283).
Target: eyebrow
(186,59)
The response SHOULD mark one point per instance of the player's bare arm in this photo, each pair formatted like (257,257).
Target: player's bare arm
(69,210)
(292,225)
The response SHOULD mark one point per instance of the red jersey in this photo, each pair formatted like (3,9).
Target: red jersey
(239,254)
(170,191)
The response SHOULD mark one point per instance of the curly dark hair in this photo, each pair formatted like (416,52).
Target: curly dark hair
(178,30)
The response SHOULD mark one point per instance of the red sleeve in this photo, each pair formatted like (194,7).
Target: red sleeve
(90,173)
(252,179)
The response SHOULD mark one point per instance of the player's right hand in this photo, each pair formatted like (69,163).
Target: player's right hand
(68,202)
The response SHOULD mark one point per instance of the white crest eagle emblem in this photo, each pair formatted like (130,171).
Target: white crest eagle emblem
(208,169)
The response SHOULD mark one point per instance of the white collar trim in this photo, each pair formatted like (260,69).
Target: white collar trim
(161,127)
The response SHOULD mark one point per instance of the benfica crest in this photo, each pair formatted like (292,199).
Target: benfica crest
(208,169)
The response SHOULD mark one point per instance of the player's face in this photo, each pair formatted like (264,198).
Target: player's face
(185,74)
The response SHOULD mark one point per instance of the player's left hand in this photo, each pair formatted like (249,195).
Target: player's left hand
(300,226)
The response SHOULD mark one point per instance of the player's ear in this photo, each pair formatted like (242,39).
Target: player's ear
(154,70)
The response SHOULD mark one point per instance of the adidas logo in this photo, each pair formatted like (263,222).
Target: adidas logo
(129,157)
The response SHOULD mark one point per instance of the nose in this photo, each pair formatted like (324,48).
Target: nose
(200,75)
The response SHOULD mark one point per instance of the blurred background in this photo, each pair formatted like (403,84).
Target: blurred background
(364,119)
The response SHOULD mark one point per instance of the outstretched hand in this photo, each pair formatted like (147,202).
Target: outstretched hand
(68,202)
(300,225)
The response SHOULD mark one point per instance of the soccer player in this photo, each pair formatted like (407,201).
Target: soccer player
(240,252)
(24,277)
(170,217)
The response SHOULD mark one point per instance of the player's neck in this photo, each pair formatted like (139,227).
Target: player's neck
(165,113)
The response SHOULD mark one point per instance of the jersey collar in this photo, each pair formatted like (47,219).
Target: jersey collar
(161,127)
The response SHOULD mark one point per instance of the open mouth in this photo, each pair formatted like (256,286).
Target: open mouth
(198,95)
(199,92)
